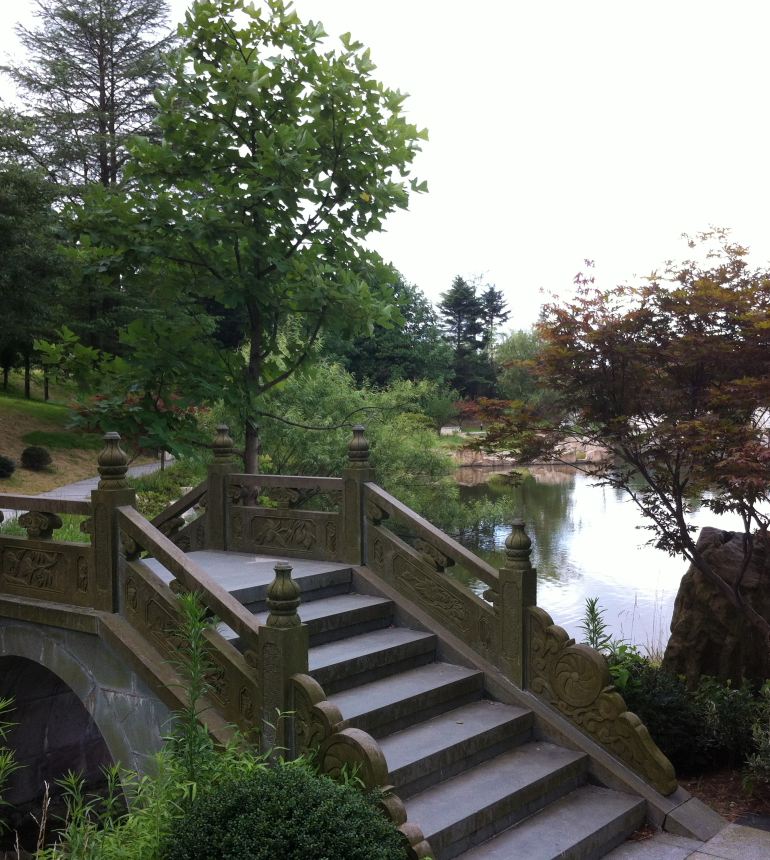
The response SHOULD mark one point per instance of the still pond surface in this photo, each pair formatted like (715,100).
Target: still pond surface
(587,542)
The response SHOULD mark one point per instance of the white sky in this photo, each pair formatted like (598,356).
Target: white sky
(562,130)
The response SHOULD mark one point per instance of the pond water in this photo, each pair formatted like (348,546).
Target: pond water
(587,542)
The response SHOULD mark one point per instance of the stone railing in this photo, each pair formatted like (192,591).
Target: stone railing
(44,568)
(150,605)
(264,515)
(187,534)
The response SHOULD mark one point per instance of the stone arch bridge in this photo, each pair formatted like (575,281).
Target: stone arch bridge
(491,733)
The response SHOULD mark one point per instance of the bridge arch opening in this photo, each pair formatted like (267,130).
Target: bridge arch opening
(54,734)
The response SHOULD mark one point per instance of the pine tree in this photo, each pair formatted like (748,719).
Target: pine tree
(463,321)
(462,316)
(494,313)
(87,85)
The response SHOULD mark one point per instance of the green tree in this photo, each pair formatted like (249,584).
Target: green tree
(517,356)
(463,321)
(87,84)
(494,314)
(672,379)
(32,266)
(406,452)
(412,348)
(279,156)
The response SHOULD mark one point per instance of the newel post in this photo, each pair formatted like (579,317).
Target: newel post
(517,592)
(283,650)
(113,492)
(354,476)
(217,498)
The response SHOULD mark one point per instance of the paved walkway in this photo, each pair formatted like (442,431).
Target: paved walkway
(734,842)
(81,490)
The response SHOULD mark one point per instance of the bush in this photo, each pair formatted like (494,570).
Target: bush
(7,466)
(757,771)
(287,811)
(35,458)
(156,491)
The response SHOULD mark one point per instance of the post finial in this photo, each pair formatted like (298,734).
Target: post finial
(283,597)
(112,463)
(358,449)
(518,546)
(223,444)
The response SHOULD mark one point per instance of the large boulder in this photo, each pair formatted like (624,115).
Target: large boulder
(709,636)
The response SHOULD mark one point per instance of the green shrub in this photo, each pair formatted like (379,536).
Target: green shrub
(8,762)
(64,439)
(708,727)
(287,811)
(757,772)
(7,466)
(155,492)
(35,458)
(673,718)
(699,729)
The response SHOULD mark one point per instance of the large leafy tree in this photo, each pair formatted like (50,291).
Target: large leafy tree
(672,379)
(91,69)
(279,156)
(516,357)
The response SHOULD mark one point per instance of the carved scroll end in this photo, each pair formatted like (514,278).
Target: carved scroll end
(316,719)
(375,513)
(131,548)
(417,845)
(432,556)
(171,527)
(40,524)
(358,752)
(575,679)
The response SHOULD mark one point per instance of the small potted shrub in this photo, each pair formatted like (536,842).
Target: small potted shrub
(35,458)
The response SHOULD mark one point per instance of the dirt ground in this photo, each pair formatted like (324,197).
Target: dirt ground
(723,791)
(18,418)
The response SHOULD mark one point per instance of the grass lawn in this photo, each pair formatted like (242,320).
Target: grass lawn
(33,422)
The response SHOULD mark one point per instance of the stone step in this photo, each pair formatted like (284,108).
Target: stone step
(584,825)
(394,703)
(479,803)
(437,749)
(332,618)
(357,660)
(247,576)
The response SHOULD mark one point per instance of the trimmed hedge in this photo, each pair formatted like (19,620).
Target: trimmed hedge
(287,812)
(35,458)
(7,466)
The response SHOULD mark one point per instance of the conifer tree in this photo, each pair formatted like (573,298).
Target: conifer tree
(87,84)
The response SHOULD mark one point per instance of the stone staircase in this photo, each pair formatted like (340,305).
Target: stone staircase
(471,771)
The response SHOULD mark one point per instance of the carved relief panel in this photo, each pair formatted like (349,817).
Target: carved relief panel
(46,570)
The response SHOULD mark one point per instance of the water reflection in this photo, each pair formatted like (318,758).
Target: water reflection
(587,542)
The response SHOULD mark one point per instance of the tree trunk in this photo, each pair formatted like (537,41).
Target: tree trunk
(27,392)
(251,448)
(6,371)
(45,385)
(251,451)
